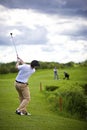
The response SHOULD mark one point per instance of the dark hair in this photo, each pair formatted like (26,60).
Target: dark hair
(35,63)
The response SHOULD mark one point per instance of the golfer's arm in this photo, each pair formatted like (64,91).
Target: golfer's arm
(17,64)
(19,61)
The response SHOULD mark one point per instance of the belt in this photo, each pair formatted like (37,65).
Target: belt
(21,82)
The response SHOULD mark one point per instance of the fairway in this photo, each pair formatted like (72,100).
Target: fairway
(42,118)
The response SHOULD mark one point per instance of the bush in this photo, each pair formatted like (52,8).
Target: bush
(74,101)
(13,69)
(51,88)
(85,88)
(8,68)
(4,70)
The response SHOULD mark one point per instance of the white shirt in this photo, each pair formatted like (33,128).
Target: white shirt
(25,71)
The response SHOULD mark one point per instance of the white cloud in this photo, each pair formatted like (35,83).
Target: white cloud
(40,36)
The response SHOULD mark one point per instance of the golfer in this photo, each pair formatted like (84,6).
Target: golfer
(21,84)
(66,75)
(55,73)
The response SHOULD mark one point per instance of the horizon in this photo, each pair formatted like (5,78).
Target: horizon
(49,62)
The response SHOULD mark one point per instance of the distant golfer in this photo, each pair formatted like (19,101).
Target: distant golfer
(66,75)
(55,73)
(21,84)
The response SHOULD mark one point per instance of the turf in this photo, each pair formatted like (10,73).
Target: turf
(42,118)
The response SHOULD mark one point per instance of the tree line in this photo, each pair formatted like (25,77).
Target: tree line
(6,68)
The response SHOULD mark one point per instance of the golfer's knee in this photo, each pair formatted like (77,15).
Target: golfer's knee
(28,99)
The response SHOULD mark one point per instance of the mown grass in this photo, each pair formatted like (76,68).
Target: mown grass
(42,118)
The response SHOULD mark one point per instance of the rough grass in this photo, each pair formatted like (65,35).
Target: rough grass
(42,118)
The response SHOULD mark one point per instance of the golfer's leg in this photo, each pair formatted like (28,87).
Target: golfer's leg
(26,99)
(23,105)
(18,86)
(20,95)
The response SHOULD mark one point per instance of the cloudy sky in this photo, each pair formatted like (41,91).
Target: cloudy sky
(45,30)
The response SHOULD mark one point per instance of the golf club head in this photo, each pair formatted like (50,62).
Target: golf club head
(11,34)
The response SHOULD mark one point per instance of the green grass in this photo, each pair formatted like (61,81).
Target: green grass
(42,118)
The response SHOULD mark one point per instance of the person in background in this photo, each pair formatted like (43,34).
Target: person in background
(21,84)
(66,75)
(55,73)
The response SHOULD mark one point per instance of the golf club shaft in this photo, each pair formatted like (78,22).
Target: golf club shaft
(14,44)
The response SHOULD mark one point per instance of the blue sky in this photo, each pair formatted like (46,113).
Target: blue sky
(45,30)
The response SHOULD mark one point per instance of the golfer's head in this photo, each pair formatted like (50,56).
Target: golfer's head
(35,63)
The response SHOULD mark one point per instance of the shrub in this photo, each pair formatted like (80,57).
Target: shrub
(51,88)
(85,88)
(74,101)
(4,70)
(13,69)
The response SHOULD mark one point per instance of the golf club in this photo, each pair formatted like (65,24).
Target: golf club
(14,44)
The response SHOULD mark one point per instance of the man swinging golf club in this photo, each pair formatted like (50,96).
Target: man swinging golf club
(21,84)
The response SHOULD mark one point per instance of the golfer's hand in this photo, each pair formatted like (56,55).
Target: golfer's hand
(20,60)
